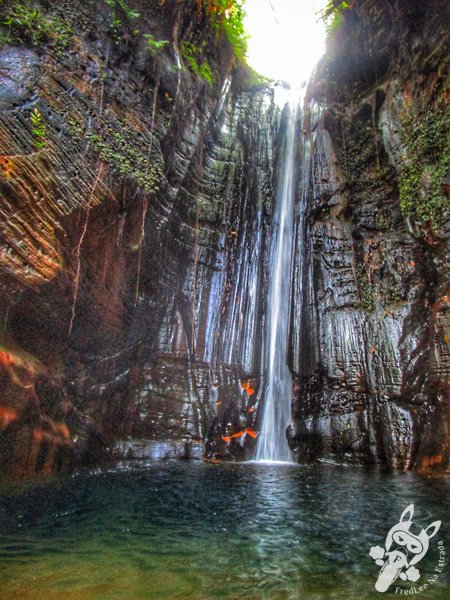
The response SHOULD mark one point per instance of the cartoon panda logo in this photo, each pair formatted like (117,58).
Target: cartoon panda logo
(406,544)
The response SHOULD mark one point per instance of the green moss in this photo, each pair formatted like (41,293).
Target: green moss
(357,140)
(246,78)
(426,138)
(194,55)
(27,23)
(354,160)
(381,222)
(119,147)
(365,289)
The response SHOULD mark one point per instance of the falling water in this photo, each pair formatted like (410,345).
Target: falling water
(272,442)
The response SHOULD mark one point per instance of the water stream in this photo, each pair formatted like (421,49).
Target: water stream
(272,442)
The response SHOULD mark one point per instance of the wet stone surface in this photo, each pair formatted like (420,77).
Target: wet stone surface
(135,250)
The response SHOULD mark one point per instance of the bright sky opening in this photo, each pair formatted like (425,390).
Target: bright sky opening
(287,37)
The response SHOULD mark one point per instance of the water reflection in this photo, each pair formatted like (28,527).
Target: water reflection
(200,531)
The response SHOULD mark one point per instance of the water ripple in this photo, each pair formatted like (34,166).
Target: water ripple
(199,532)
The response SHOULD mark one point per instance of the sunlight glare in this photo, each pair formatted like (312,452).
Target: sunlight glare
(287,38)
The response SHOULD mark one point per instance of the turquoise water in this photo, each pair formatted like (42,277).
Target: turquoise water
(197,531)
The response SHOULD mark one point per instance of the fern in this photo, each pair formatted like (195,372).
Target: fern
(39,129)
(155,46)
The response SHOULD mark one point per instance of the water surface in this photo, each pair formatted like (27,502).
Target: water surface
(197,531)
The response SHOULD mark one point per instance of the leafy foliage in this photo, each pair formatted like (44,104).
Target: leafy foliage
(365,289)
(224,17)
(194,56)
(121,147)
(227,16)
(26,23)
(426,138)
(155,46)
(39,129)
(120,9)
(129,13)
(332,14)
(232,16)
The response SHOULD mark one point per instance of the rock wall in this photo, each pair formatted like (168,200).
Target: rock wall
(137,199)
(371,346)
(135,220)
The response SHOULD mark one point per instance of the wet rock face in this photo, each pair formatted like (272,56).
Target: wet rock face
(133,241)
(19,76)
(371,344)
(135,229)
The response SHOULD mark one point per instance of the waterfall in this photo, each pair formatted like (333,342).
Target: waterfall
(272,443)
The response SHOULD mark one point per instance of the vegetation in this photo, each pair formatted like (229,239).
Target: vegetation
(332,14)
(194,56)
(117,5)
(121,149)
(426,138)
(29,22)
(227,16)
(222,17)
(155,46)
(120,9)
(26,23)
(355,157)
(365,289)
(230,16)
(247,78)
(39,129)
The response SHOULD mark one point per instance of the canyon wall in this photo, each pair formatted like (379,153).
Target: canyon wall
(371,316)
(137,191)
(137,198)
